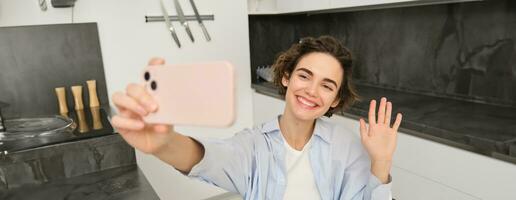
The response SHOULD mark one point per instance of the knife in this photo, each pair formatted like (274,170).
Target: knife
(182,19)
(206,35)
(170,27)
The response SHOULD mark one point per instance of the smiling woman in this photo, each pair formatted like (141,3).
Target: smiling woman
(329,53)
(298,155)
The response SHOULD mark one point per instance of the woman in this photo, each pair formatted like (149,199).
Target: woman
(299,155)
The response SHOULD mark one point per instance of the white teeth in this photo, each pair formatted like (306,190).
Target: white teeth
(305,102)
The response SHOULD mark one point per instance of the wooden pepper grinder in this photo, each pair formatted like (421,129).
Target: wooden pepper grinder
(61,98)
(97,122)
(83,125)
(94,104)
(77,97)
(79,107)
(92,90)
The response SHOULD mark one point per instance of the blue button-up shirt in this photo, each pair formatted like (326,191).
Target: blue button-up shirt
(252,163)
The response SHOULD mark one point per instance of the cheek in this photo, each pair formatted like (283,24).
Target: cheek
(329,98)
(295,85)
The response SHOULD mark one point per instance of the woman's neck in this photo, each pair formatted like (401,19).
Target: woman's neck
(296,132)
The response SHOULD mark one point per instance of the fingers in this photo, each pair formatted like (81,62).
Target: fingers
(381,111)
(363,128)
(123,102)
(388,114)
(129,124)
(156,61)
(372,113)
(139,93)
(129,114)
(397,122)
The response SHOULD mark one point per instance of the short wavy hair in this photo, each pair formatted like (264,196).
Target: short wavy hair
(287,61)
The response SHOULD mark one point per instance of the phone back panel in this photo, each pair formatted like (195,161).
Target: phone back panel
(192,94)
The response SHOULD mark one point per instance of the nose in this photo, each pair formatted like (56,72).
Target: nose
(311,90)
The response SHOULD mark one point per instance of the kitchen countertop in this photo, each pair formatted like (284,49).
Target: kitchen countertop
(485,129)
(83,121)
(118,183)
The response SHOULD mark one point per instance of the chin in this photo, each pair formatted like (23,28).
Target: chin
(305,116)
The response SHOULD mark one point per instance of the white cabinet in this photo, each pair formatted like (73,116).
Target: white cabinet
(290,6)
(285,6)
(358,3)
(408,185)
(301,6)
(261,6)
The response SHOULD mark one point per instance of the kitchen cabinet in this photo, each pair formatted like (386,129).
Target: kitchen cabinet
(256,7)
(358,3)
(261,6)
(407,185)
(289,6)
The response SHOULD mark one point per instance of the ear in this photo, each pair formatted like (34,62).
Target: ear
(284,80)
(335,102)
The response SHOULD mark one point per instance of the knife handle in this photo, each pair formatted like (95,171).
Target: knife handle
(77,96)
(92,91)
(61,98)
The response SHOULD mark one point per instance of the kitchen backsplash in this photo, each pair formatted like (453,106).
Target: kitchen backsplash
(36,59)
(461,50)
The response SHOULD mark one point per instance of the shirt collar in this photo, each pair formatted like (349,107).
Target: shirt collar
(321,129)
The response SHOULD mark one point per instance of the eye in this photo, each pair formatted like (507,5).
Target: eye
(328,87)
(302,76)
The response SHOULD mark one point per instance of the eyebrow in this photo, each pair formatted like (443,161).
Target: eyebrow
(311,74)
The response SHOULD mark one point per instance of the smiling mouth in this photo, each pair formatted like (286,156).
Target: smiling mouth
(305,103)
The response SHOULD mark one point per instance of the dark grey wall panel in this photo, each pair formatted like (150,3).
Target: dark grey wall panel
(36,59)
(461,50)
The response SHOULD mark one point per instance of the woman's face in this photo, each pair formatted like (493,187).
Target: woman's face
(313,86)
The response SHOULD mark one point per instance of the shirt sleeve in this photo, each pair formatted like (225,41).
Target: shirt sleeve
(226,162)
(359,183)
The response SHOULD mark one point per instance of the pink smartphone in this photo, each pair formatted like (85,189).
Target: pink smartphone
(199,94)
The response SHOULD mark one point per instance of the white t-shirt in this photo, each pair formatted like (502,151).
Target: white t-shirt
(300,177)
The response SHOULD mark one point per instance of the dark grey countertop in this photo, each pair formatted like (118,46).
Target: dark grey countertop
(118,183)
(485,129)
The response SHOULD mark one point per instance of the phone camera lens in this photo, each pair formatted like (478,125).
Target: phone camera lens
(153,85)
(146,76)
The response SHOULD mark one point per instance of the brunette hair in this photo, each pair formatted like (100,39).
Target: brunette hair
(287,61)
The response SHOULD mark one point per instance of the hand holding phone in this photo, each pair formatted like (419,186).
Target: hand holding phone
(133,104)
(145,111)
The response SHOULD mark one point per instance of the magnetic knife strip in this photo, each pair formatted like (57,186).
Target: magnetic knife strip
(183,19)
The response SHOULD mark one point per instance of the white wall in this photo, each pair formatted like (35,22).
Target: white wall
(127,42)
(425,170)
(16,13)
